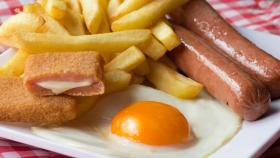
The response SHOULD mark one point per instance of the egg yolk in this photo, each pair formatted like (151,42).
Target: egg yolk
(151,123)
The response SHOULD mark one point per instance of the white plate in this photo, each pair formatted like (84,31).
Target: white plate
(251,141)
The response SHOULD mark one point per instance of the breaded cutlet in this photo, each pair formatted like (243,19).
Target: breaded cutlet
(54,68)
(17,104)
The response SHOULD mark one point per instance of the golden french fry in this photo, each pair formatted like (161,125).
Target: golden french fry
(153,48)
(74,5)
(56,8)
(73,22)
(43,3)
(172,82)
(116,80)
(166,35)
(128,6)
(104,26)
(93,14)
(107,42)
(168,62)
(146,16)
(22,22)
(136,79)
(52,26)
(142,69)
(104,4)
(34,8)
(15,66)
(113,7)
(127,60)
(84,104)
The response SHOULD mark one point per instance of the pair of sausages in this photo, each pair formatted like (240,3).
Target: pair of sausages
(232,69)
(222,78)
(199,17)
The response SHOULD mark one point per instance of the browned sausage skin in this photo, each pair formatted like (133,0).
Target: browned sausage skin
(199,17)
(222,78)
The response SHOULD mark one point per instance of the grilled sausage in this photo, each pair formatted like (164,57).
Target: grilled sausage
(222,78)
(199,17)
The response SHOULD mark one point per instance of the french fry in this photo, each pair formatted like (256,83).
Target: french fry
(74,5)
(165,34)
(146,16)
(22,22)
(107,42)
(104,4)
(128,6)
(104,26)
(172,82)
(168,62)
(116,80)
(73,20)
(34,8)
(73,23)
(142,69)
(56,8)
(84,104)
(113,7)
(52,26)
(127,60)
(153,48)
(136,79)
(15,66)
(43,3)
(93,14)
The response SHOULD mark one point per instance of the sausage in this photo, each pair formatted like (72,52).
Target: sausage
(199,17)
(222,78)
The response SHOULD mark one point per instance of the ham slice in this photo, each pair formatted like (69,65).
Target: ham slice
(73,73)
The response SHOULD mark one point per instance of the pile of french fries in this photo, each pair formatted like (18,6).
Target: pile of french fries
(131,35)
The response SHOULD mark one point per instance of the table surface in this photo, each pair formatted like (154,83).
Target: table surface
(261,15)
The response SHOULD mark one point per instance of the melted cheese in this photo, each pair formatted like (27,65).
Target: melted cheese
(59,87)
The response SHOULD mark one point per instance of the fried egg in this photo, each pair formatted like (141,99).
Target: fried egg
(144,122)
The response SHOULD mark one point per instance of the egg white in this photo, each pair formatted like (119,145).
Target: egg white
(212,126)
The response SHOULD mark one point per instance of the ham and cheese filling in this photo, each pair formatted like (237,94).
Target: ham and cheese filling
(58,87)
(69,73)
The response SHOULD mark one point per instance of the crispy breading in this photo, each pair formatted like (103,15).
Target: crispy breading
(72,66)
(19,105)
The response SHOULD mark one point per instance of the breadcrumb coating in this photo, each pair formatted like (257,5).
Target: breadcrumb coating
(17,104)
(70,66)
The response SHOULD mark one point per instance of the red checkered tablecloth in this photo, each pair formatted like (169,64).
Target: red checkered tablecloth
(262,15)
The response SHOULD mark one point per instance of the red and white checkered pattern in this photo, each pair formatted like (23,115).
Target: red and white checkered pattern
(10,7)
(262,15)
(11,149)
